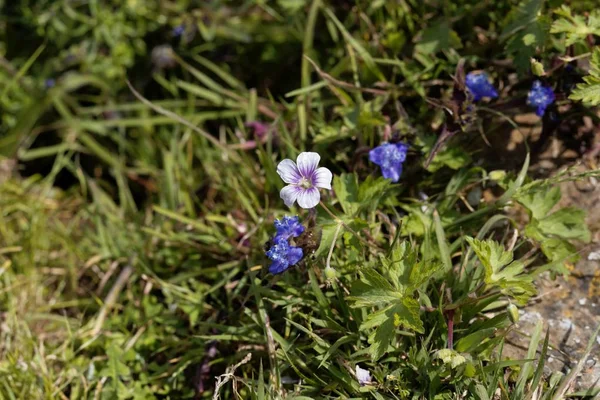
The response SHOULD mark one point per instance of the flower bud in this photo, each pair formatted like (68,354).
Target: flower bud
(497,175)
(330,274)
(513,313)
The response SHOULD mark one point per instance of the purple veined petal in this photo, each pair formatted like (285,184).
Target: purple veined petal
(307,163)
(288,171)
(322,178)
(289,194)
(309,198)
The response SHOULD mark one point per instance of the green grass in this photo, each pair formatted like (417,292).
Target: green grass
(133,227)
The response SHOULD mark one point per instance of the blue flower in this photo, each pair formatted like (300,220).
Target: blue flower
(178,30)
(283,256)
(389,156)
(288,227)
(50,83)
(479,85)
(541,97)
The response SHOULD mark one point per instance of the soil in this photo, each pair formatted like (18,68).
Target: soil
(569,308)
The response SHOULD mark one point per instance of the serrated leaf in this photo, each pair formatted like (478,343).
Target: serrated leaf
(381,338)
(589,91)
(539,203)
(407,314)
(404,313)
(567,223)
(576,27)
(375,319)
(492,256)
(115,369)
(556,249)
(423,271)
(374,297)
(373,278)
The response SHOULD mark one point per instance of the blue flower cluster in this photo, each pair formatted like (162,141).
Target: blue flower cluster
(288,227)
(282,254)
(389,156)
(541,97)
(479,85)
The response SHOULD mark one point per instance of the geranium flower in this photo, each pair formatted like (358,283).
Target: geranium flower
(283,256)
(389,156)
(304,178)
(479,85)
(363,376)
(541,97)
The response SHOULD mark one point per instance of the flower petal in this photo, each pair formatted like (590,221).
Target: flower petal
(363,376)
(289,194)
(309,198)
(295,254)
(322,178)
(278,267)
(376,155)
(308,163)
(288,171)
(392,173)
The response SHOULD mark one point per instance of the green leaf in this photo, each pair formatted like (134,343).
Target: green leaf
(115,368)
(373,296)
(540,202)
(438,37)
(381,338)
(407,314)
(327,235)
(527,31)
(589,91)
(492,255)
(473,340)
(567,223)
(423,271)
(372,192)
(346,191)
(453,157)
(404,313)
(556,249)
(576,28)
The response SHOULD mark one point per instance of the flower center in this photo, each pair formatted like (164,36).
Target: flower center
(305,183)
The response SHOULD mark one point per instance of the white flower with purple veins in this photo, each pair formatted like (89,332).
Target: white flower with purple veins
(363,376)
(304,178)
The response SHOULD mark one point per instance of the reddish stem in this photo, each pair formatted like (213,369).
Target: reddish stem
(450,314)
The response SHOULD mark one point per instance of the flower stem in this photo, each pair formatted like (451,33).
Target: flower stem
(339,221)
(335,236)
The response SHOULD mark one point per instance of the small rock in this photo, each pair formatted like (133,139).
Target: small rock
(594,256)
(582,301)
(566,324)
